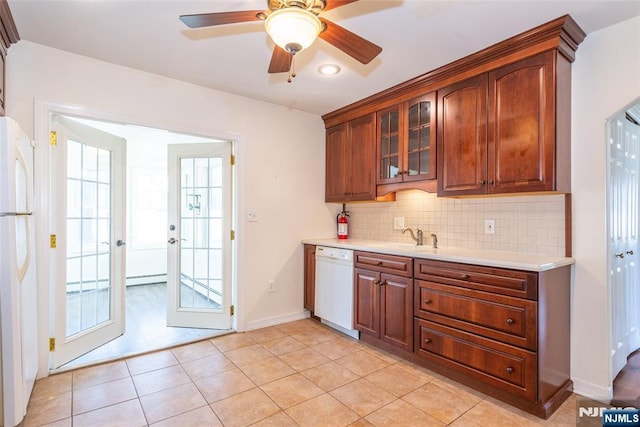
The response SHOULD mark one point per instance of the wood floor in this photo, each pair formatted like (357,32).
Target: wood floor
(626,386)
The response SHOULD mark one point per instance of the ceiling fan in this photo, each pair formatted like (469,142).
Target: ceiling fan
(293,25)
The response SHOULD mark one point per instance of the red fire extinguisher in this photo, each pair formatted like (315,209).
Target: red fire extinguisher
(343,224)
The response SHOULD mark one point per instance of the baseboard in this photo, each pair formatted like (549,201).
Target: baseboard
(272,321)
(592,391)
(146,280)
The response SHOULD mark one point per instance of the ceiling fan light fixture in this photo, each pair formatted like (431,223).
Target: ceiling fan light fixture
(293,29)
(329,69)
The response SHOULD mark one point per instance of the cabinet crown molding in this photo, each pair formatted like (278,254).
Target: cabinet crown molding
(562,34)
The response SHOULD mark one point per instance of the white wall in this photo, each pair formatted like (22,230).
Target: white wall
(606,78)
(280,161)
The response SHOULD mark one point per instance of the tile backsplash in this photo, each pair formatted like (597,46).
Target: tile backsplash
(528,224)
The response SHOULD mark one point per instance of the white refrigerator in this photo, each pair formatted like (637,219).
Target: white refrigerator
(18,305)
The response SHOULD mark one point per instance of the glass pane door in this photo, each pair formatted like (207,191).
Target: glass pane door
(199,236)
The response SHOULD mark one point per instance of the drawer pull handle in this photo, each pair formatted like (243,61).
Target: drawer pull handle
(510,321)
(427,340)
(510,370)
(465,276)
(427,301)
(377,282)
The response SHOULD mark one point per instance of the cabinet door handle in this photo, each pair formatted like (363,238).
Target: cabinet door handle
(510,321)
(491,182)
(427,341)
(427,301)
(384,283)
(379,263)
(377,282)
(629,252)
(482,181)
(510,370)
(464,276)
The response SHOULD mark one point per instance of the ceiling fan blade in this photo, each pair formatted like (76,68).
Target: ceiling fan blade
(350,43)
(332,4)
(221,18)
(280,61)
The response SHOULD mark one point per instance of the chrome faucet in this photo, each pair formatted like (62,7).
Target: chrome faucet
(435,240)
(417,238)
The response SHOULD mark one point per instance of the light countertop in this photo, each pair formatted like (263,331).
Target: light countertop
(501,259)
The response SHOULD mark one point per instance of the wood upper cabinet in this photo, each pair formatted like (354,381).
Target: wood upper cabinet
(350,161)
(406,143)
(497,131)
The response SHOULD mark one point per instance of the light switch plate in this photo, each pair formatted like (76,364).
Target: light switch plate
(489,226)
(398,223)
(252,216)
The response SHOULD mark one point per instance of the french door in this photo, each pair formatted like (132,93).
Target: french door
(624,284)
(199,236)
(88,206)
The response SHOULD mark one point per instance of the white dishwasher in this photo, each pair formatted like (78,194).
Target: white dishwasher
(334,289)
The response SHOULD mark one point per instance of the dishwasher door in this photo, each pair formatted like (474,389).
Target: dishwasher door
(334,288)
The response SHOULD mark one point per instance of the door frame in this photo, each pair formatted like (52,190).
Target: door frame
(43,109)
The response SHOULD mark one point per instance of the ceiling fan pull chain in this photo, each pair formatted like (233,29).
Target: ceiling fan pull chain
(292,69)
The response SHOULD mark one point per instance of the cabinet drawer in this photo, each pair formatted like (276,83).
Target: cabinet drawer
(514,283)
(398,265)
(500,365)
(508,319)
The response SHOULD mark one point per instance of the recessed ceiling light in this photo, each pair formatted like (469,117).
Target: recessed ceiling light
(329,69)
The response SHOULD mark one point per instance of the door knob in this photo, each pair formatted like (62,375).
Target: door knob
(172,240)
(629,252)
(121,243)
(620,255)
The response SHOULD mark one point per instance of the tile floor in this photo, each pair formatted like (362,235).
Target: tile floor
(299,373)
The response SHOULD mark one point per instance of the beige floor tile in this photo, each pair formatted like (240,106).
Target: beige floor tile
(402,414)
(566,415)
(265,334)
(207,366)
(98,396)
(298,326)
(51,386)
(169,403)
(363,397)
(303,359)
(329,376)
(322,411)
(361,423)
(314,336)
(150,362)
(486,414)
(291,390)
(194,351)
(440,402)
(362,363)
(245,408)
(98,374)
(249,354)
(339,347)
(281,419)
(125,414)
(267,370)
(160,379)
(45,411)
(201,417)
(283,345)
(232,341)
(398,380)
(224,384)
(62,423)
(387,357)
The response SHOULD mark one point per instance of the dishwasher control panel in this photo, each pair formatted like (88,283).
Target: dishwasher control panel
(335,253)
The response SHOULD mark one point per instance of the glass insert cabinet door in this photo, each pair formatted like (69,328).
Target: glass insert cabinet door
(199,235)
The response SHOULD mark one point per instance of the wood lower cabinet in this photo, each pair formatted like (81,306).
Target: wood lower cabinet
(350,161)
(309,277)
(502,131)
(384,301)
(504,332)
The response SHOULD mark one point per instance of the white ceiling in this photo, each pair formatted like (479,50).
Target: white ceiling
(416,36)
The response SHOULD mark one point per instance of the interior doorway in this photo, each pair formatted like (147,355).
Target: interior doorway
(623,218)
(146,201)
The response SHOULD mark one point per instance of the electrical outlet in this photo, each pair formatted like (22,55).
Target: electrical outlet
(398,223)
(272,286)
(489,226)
(252,216)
